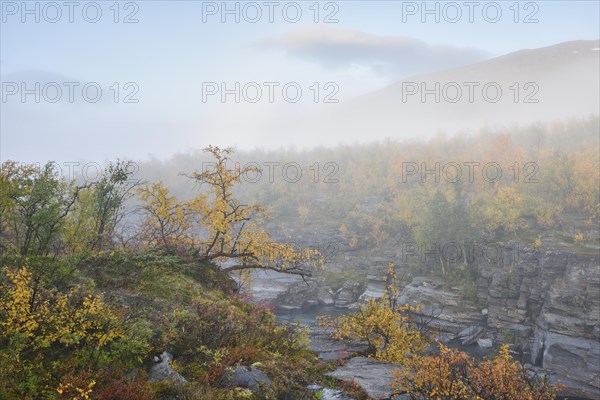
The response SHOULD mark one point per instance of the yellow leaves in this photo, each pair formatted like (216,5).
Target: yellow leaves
(436,377)
(389,333)
(51,318)
(509,195)
(234,230)
(217,223)
(343,229)
(386,327)
(572,181)
(504,210)
(453,375)
(167,223)
(74,392)
(450,375)
(17,308)
(548,214)
(50,333)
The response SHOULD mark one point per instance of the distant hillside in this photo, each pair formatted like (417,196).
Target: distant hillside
(563,78)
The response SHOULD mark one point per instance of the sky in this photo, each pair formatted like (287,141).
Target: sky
(138,79)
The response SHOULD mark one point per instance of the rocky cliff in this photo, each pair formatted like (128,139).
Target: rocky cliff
(545,304)
(556,296)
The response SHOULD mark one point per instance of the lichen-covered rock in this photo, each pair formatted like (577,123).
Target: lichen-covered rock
(246,377)
(373,376)
(347,294)
(162,371)
(328,394)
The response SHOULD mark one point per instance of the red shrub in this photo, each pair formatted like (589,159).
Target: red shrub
(123,389)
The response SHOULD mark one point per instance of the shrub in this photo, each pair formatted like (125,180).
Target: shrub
(387,328)
(124,389)
(453,375)
(46,336)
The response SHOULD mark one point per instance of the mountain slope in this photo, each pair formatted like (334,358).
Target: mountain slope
(539,84)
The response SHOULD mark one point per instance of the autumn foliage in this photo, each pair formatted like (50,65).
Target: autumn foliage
(393,337)
(85,298)
(46,336)
(387,328)
(452,374)
(217,225)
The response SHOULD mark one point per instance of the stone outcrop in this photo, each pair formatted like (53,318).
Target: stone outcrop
(323,393)
(470,335)
(550,300)
(546,304)
(330,349)
(246,377)
(162,371)
(376,286)
(443,308)
(347,295)
(303,295)
(373,376)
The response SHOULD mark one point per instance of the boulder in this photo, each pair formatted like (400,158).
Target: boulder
(246,377)
(376,287)
(373,376)
(162,371)
(325,296)
(328,394)
(310,303)
(347,294)
(485,343)
(330,349)
(304,295)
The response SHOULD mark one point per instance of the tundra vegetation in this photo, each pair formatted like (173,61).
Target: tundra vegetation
(99,277)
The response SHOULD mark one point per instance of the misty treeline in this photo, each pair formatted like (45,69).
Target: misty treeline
(501,183)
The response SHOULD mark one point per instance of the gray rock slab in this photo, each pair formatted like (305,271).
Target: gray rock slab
(373,376)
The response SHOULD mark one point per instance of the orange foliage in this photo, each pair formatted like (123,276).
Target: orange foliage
(453,375)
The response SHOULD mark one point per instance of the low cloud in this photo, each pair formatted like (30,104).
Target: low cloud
(394,56)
